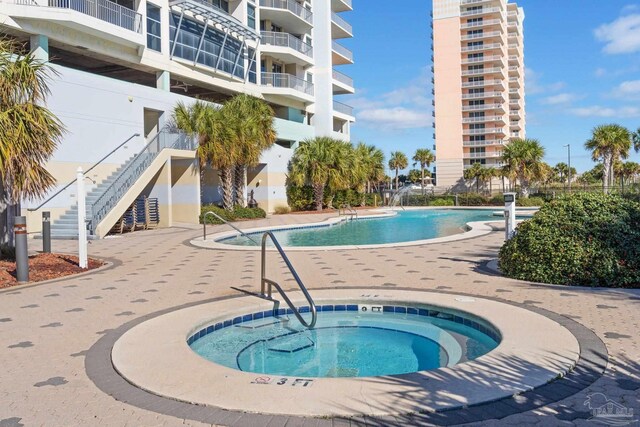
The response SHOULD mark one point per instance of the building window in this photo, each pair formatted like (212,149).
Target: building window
(252,67)
(251,16)
(154,33)
(220,4)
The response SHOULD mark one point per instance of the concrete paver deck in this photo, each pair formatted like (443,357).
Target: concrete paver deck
(46,329)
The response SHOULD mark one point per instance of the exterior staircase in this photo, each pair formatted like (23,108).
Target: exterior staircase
(107,195)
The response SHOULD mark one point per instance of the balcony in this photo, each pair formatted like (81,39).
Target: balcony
(341,5)
(484,23)
(514,93)
(484,35)
(481,59)
(514,70)
(515,125)
(483,11)
(485,119)
(483,95)
(483,83)
(483,107)
(483,71)
(514,113)
(514,105)
(287,48)
(486,143)
(341,108)
(514,58)
(482,47)
(342,84)
(340,29)
(114,22)
(486,155)
(485,131)
(474,2)
(340,54)
(287,13)
(287,85)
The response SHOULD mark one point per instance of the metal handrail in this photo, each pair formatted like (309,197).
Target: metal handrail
(204,224)
(268,294)
(346,209)
(86,172)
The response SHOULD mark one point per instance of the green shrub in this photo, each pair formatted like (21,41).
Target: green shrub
(238,213)
(472,199)
(531,201)
(443,201)
(584,239)
(300,198)
(282,210)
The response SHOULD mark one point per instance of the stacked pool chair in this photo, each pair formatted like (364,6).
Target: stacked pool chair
(143,214)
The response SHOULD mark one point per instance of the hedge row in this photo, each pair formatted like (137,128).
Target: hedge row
(238,213)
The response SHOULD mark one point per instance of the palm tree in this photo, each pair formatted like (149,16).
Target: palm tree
(251,130)
(523,158)
(398,161)
(215,147)
(476,172)
(636,140)
(29,133)
(369,162)
(424,157)
(321,163)
(562,170)
(609,143)
(487,175)
(628,171)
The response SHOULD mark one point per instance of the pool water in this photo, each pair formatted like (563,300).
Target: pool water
(406,226)
(344,344)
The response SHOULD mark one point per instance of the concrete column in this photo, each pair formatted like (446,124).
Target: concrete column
(163,80)
(40,47)
(323,70)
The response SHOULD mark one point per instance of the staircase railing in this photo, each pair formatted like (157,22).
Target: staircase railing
(129,175)
(85,172)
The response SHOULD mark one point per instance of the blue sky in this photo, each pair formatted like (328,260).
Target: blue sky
(583,69)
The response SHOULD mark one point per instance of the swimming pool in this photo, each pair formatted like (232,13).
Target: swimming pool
(348,341)
(406,226)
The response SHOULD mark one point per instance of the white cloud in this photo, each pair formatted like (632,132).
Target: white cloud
(600,72)
(621,35)
(406,107)
(628,90)
(561,98)
(535,86)
(396,118)
(599,111)
(630,8)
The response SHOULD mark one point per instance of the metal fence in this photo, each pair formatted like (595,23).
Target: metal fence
(104,10)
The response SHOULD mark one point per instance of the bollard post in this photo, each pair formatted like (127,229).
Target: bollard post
(46,232)
(82,224)
(509,215)
(22,251)
(457,200)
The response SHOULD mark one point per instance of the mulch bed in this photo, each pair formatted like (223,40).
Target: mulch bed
(44,267)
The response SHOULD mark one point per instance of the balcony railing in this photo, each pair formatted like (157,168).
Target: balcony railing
(483,83)
(487,155)
(483,35)
(468,2)
(482,23)
(338,48)
(286,40)
(343,78)
(485,131)
(483,107)
(103,10)
(483,143)
(482,47)
(290,5)
(514,112)
(342,108)
(484,119)
(491,94)
(482,11)
(490,70)
(487,58)
(341,22)
(287,81)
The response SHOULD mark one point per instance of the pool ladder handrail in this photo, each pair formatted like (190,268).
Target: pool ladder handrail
(347,210)
(267,284)
(215,215)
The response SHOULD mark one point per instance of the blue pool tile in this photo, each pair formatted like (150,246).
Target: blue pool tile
(318,308)
(341,307)
(237,320)
(411,310)
(202,333)
(467,322)
(327,308)
(190,340)
(210,329)
(282,312)
(352,307)
(387,309)
(227,323)
(304,309)
(289,311)
(247,318)
(458,319)
(268,313)
(402,310)
(423,312)
(475,325)
(218,326)
(258,315)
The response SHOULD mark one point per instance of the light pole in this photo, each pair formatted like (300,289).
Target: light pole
(569,171)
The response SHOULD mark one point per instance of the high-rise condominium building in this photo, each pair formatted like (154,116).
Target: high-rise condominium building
(478,66)
(123,65)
